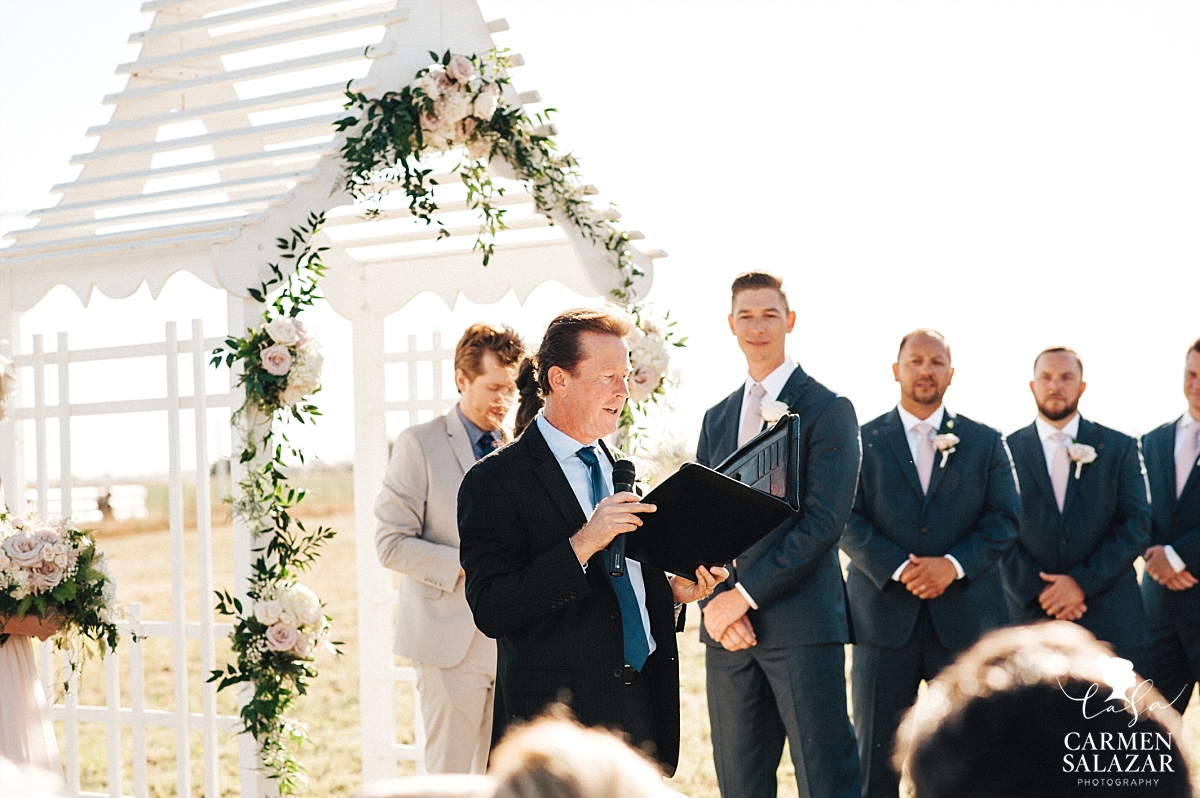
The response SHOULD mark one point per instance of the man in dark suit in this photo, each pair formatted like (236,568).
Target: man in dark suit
(1085,515)
(1168,585)
(775,630)
(936,508)
(535,519)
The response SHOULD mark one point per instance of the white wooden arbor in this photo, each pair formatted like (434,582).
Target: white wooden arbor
(220,142)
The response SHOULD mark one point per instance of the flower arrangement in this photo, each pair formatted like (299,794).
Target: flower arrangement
(773,410)
(650,346)
(946,443)
(1081,454)
(50,568)
(277,636)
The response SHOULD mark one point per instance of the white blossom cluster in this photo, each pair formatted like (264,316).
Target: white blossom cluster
(37,556)
(293,353)
(649,359)
(462,99)
(294,618)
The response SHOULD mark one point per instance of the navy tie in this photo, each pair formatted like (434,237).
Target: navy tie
(487,444)
(637,649)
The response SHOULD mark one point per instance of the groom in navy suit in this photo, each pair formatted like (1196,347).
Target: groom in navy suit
(775,630)
(936,508)
(1168,585)
(1085,515)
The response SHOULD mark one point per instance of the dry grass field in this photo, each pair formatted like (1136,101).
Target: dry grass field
(140,560)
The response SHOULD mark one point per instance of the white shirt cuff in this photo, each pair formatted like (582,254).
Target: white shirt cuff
(746,595)
(1176,561)
(958,569)
(898,571)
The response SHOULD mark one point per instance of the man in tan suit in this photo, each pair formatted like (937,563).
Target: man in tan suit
(418,536)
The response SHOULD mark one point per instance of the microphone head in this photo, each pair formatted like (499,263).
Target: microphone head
(624,473)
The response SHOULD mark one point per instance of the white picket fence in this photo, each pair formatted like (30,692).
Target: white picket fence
(178,629)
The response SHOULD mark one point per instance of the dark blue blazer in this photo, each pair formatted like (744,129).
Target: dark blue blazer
(1103,528)
(1172,520)
(793,573)
(970,512)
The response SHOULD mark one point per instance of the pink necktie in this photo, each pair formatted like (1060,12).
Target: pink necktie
(1185,458)
(752,420)
(924,455)
(1060,468)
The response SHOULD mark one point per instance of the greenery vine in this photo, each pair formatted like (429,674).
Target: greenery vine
(277,636)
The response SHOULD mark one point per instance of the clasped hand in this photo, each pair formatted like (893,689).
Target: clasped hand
(1160,570)
(928,577)
(685,591)
(1062,599)
(615,515)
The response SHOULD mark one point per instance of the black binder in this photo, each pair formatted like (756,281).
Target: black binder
(709,516)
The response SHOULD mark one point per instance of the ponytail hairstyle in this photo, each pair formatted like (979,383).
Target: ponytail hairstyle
(560,347)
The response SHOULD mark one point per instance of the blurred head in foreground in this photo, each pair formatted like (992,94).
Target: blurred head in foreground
(557,758)
(442,785)
(1041,711)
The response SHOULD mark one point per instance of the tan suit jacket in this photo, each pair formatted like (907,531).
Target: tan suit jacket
(417,535)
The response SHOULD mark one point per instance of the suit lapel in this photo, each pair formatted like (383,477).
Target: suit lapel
(1089,433)
(1163,466)
(1027,442)
(551,475)
(935,478)
(456,435)
(897,439)
(731,410)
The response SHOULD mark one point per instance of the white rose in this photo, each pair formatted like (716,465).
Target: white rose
(773,411)
(289,618)
(428,85)
(460,68)
(281,637)
(267,612)
(486,102)
(303,603)
(452,107)
(4,561)
(283,331)
(24,549)
(945,441)
(642,383)
(1081,453)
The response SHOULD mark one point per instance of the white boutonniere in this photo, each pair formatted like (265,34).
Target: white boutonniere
(1082,454)
(946,444)
(773,411)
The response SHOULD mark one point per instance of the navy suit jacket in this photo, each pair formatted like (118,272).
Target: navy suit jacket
(558,629)
(969,512)
(1103,528)
(793,573)
(1172,520)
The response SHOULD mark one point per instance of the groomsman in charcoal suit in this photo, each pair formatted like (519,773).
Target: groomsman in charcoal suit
(1168,585)
(936,508)
(1085,515)
(775,630)
(536,519)
(418,536)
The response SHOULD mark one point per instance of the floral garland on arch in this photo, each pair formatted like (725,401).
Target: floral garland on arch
(276,638)
(457,102)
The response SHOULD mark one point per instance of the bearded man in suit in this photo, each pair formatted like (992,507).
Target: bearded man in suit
(536,519)
(1169,590)
(418,536)
(936,509)
(774,633)
(1085,515)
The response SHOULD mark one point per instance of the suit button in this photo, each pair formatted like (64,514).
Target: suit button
(924,530)
(572,595)
(612,616)
(1063,541)
(618,673)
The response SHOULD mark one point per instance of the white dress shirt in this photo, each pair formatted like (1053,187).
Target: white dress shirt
(772,385)
(1046,432)
(1184,427)
(565,448)
(911,423)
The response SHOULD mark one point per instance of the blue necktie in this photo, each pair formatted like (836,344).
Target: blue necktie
(486,444)
(637,650)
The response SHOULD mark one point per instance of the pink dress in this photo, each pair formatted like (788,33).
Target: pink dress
(26,731)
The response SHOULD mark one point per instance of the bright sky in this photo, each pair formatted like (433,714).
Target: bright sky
(1015,174)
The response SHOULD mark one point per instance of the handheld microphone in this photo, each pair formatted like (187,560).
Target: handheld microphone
(624,475)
